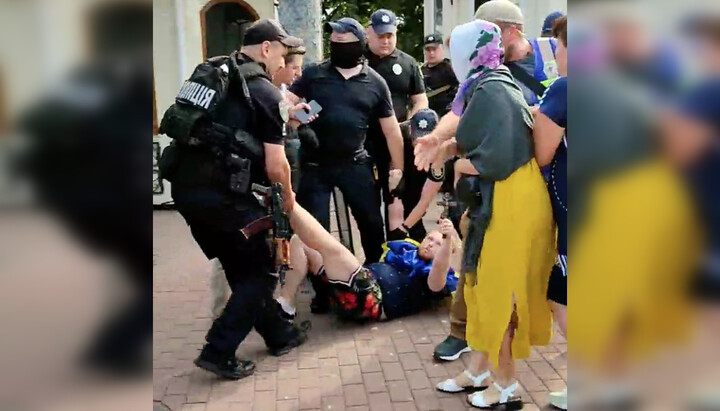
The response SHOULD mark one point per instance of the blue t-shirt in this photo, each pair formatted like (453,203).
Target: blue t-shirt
(402,277)
(554,105)
(403,295)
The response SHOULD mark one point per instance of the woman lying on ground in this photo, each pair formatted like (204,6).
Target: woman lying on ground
(411,277)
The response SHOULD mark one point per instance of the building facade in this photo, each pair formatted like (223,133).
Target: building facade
(443,15)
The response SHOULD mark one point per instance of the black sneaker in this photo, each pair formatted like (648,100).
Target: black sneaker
(450,349)
(230,368)
(298,340)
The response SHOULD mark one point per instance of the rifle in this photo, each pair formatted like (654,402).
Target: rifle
(437,91)
(278,221)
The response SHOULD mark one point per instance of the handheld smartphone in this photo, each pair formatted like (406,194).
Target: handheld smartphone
(304,116)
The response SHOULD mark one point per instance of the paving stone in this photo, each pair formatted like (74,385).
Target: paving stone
(383,366)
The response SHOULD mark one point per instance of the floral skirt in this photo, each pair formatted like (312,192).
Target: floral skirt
(359,299)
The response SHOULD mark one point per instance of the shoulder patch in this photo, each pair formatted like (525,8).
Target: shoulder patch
(284,108)
(437,174)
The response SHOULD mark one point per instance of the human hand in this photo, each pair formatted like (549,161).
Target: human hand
(394,178)
(447,229)
(448,149)
(397,234)
(427,149)
(296,109)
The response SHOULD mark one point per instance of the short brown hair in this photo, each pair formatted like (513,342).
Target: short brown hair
(290,56)
(559,30)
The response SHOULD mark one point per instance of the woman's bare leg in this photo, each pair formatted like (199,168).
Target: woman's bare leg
(505,373)
(339,262)
(479,363)
(299,266)
(560,314)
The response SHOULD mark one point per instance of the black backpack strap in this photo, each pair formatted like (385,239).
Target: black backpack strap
(526,78)
(240,75)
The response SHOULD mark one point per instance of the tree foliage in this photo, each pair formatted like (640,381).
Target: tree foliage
(409,12)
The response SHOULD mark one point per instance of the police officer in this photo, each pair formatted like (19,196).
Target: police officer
(352,95)
(440,81)
(402,74)
(204,194)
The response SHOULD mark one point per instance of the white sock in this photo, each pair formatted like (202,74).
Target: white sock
(286,306)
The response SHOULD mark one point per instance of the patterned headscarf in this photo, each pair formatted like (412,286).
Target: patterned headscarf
(475,49)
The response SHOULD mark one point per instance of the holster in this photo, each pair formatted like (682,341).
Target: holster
(468,190)
(168,162)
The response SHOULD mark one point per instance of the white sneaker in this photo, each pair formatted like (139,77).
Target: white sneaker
(558,399)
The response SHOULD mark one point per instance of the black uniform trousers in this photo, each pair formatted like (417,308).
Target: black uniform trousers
(414,182)
(215,221)
(355,180)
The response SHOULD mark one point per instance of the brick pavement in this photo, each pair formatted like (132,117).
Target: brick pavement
(381,366)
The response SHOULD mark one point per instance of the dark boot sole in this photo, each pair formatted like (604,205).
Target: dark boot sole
(213,368)
(294,343)
(468,390)
(508,406)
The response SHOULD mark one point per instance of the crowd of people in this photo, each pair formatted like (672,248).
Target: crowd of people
(482,120)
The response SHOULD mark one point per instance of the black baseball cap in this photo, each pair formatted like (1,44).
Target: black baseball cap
(423,122)
(347,25)
(269,30)
(383,21)
(547,27)
(435,38)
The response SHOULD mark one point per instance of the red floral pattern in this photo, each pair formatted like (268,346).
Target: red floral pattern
(361,301)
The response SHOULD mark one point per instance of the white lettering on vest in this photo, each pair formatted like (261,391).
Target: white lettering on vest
(190,90)
(209,94)
(184,90)
(194,96)
(197,94)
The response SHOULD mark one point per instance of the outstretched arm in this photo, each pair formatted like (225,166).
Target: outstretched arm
(428,194)
(441,263)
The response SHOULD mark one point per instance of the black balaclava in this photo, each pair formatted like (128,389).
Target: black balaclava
(346,55)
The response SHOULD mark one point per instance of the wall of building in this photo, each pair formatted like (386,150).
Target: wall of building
(303,18)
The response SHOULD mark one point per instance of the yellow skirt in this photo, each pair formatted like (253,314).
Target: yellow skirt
(514,268)
(631,260)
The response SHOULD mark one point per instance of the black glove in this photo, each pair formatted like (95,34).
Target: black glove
(307,136)
(397,234)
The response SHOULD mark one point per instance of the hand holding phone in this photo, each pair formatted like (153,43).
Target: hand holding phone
(305,116)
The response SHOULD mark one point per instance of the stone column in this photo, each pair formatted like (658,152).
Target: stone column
(303,18)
